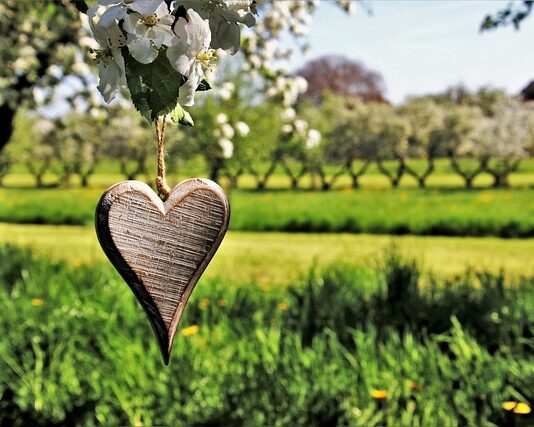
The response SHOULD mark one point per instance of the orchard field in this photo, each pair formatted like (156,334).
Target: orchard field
(328,314)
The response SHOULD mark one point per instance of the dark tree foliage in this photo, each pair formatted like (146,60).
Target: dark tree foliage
(513,14)
(341,76)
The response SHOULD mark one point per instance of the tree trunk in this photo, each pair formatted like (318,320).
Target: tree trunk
(393,178)
(39,180)
(84,180)
(65,179)
(293,177)
(7,120)
(214,173)
(468,181)
(468,177)
(261,181)
(500,179)
(356,175)
(421,178)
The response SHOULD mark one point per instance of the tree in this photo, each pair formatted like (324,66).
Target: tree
(131,143)
(349,140)
(37,153)
(388,131)
(514,13)
(341,76)
(457,135)
(40,41)
(5,164)
(78,144)
(503,140)
(425,117)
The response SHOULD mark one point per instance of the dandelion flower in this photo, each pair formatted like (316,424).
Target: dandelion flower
(522,408)
(378,394)
(37,302)
(190,330)
(283,306)
(509,405)
(203,304)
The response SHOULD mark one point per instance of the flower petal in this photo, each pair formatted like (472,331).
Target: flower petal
(179,60)
(145,7)
(188,89)
(160,35)
(227,36)
(113,14)
(141,49)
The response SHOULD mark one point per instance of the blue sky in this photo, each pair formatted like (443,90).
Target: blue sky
(424,46)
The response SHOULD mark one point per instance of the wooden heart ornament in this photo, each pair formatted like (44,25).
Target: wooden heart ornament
(162,248)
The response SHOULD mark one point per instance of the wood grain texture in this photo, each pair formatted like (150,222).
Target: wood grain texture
(162,248)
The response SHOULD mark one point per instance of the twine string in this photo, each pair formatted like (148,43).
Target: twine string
(161,182)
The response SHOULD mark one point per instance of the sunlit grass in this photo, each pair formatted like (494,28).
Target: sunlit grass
(448,212)
(283,257)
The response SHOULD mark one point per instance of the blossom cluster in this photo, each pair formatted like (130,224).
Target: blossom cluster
(265,49)
(188,32)
(225,131)
(295,127)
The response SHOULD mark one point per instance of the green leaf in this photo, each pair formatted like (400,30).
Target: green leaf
(154,87)
(179,115)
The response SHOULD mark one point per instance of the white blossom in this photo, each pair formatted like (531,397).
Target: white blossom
(224,18)
(242,129)
(147,33)
(190,55)
(118,9)
(314,139)
(108,57)
(287,128)
(221,118)
(288,114)
(227,148)
(227,131)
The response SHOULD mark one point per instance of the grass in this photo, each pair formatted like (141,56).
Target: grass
(281,257)
(503,213)
(340,348)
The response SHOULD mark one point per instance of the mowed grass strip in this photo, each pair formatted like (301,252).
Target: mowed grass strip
(281,258)
(439,212)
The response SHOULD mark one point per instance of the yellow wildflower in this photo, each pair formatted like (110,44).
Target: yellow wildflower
(265,288)
(522,408)
(509,405)
(378,394)
(283,306)
(190,330)
(203,304)
(413,386)
(37,302)
(221,303)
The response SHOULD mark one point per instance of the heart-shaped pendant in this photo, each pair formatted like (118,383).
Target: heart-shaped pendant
(162,248)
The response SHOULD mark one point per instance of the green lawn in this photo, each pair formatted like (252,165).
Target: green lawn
(457,212)
(283,257)
(338,348)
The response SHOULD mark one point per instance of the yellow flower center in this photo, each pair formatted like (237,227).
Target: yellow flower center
(102,55)
(150,20)
(205,58)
